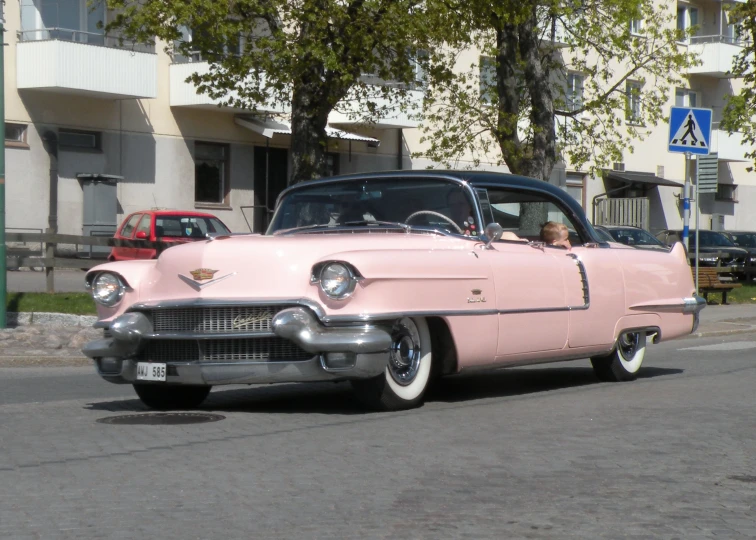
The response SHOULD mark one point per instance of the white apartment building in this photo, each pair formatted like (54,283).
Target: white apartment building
(96,130)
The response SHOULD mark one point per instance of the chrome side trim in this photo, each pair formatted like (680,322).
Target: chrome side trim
(363,318)
(344,319)
(584,281)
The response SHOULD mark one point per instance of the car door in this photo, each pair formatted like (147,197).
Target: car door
(126,252)
(536,284)
(142,238)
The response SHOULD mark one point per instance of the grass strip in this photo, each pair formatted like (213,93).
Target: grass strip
(73,303)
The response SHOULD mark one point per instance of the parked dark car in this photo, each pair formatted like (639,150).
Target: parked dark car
(634,236)
(714,249)
(747,241)
(603,233)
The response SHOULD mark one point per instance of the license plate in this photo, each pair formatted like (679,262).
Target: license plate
(149,371)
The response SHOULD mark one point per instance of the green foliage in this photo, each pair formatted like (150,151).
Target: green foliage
(739,114)
(306,57)
(525,116)
(73,303)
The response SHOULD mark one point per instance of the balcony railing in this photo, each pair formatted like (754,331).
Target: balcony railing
(81,36)
(84,63)
(728,40)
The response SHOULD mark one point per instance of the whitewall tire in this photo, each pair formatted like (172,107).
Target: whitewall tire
(625,361)
(405,380)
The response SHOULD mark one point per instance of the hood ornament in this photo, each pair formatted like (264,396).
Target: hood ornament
(203,274)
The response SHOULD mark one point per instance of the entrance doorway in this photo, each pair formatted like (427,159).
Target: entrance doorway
(271,175)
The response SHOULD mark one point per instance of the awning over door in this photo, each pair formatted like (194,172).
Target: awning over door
(268,127)
(637,177)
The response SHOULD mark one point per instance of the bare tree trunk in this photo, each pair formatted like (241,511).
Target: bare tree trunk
(309,142)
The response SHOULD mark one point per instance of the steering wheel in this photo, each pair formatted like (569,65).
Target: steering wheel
(436,214)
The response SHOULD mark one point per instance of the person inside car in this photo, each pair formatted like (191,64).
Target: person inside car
(555,234)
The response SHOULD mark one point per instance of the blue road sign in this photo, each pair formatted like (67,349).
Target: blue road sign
(690,130)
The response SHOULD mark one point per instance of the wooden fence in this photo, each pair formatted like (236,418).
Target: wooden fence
(42,253)
(632,211)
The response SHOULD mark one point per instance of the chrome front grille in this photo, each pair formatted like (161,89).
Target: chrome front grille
(214,320)
(222,350)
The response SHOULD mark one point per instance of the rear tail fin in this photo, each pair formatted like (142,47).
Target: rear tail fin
(678,250)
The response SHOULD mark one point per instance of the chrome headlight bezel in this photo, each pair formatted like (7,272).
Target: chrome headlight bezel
(116,284)
(326,273)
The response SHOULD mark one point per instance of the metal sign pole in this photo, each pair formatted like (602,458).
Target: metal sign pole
(697,225)
(686,204)
(3,265)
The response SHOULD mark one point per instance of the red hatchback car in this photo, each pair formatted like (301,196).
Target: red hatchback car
(170,226)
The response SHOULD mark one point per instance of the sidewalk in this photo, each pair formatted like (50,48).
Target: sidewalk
(55,339)
(723,320)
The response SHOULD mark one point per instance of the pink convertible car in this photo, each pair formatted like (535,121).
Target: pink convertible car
(388,280)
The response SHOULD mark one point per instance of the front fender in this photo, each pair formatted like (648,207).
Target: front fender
(132,273)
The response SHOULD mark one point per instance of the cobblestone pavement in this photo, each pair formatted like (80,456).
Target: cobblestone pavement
(540,452)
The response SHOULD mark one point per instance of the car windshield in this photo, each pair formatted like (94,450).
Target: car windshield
(423,203)
(744,239)
(634,237)
(188,226)
(710,238)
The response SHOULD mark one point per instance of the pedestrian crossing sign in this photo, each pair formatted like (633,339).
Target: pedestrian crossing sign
(690,130)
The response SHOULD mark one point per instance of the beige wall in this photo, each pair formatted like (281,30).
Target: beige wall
(150,144)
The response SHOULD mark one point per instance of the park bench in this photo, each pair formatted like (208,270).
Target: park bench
(709,280)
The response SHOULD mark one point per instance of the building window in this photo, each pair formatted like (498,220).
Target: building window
(685,98)
(636,26)
(574,94)
(633,92)
(15,135)
(727,192)
(576,187)
(487,78)
(211,172)
(332,164)
(687,18)
(79,140)
(68,20)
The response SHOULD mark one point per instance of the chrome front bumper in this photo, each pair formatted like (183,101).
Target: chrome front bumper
(338,353)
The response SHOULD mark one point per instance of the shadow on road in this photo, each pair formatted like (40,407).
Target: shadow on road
(337,398)
(520,381)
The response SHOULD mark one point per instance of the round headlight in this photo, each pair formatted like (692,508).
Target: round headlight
(336,280)
(107,289)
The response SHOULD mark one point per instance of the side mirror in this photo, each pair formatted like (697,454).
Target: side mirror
(493,233)
(141,235)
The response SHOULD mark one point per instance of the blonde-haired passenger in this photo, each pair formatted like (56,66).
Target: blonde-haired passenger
(555,234)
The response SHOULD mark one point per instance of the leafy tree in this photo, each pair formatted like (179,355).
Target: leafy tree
(513,101)
(308,56)
(740,111)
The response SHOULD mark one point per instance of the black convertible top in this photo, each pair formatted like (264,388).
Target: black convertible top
(476,179)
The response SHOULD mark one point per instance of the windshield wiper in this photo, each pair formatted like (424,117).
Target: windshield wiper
(376,222)
(303,227)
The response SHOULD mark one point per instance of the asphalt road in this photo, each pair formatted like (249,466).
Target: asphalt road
(539,452)
(65,281)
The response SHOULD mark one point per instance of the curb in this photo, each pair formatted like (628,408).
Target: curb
(54,319)
(44,361)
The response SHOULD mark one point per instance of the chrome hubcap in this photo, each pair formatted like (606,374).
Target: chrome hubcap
(628,344)
(404,360)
